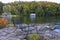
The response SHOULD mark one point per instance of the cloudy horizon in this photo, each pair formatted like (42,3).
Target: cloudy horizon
(8,1)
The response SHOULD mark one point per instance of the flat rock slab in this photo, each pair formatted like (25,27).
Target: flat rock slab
(10,34)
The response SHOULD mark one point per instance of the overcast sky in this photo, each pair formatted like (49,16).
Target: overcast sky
(7,1)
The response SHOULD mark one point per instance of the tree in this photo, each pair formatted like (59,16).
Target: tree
(1,8)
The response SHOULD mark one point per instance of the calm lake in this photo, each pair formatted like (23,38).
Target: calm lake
(41,19)
(45,19)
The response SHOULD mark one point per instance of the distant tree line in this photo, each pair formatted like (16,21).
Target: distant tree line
(23,9)
(40,8)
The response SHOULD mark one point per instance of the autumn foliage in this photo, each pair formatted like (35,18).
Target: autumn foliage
(3,21)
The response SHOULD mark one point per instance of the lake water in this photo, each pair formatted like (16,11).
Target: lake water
(43,19)
(57,30)
(40,19)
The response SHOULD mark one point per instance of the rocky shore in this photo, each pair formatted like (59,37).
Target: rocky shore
(24,30)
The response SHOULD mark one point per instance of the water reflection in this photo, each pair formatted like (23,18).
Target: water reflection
(47,19)
(57,30)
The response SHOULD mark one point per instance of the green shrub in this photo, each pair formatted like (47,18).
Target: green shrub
(2,26)
(33,37)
